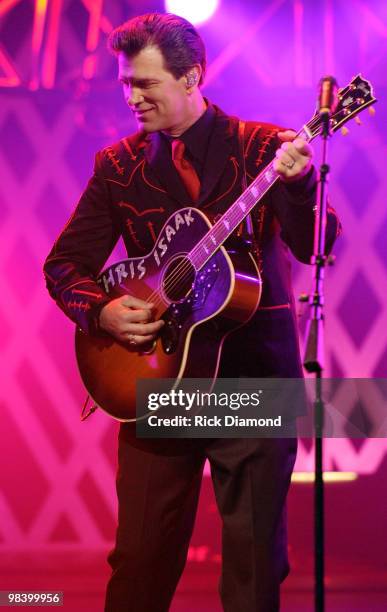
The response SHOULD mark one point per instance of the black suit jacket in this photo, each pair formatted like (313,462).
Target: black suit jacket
(133,191)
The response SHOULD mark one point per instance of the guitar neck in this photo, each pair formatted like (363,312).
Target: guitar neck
(228,223)
(351,100)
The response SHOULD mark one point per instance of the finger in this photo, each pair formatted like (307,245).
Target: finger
(285,157)
(143,329)
(296,172)
(288,147)
(285,168)
(136,340)
(299,151)
(287,135)
(131,302)
(280,168)
(303,147)
(297,148)
(137,316)
(286,163)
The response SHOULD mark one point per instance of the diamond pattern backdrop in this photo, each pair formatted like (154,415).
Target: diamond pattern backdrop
(57,479)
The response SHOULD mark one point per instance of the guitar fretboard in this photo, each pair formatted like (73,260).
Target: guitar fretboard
(231,219)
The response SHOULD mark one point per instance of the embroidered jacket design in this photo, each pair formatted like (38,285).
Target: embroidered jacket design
(85,306)
(135,224)
(265,143)
(114,160)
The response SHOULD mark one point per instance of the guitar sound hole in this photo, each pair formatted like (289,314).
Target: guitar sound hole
(179,278)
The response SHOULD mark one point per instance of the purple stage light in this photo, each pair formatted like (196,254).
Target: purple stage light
(196,12)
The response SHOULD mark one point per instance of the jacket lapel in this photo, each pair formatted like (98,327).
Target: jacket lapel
(157,157)
(218,153)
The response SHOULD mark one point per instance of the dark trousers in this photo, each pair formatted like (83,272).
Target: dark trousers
(158,496)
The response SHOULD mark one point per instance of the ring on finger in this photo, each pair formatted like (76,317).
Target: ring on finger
(131,338)
(289,164)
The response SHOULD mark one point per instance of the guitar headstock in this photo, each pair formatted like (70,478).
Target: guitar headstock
(352,99)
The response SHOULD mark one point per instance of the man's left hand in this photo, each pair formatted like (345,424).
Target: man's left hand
(294,158)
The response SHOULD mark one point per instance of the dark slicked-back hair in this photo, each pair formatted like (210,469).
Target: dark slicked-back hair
(177,39)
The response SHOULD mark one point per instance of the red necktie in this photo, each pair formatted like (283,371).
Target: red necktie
(185,169)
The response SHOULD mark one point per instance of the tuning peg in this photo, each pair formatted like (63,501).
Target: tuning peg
(344,130)
(357,120)
(371,111)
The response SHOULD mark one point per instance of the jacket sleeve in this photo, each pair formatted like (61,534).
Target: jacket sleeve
(79,253)
(294,205)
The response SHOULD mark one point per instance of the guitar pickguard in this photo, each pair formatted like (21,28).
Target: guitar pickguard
(179,313)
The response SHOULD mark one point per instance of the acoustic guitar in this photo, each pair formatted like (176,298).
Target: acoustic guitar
(201,290)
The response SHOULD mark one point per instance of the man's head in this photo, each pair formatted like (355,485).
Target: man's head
(161,60)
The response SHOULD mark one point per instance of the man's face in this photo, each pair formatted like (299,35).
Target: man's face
(158,100)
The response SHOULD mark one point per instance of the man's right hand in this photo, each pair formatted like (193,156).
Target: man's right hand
(131,320)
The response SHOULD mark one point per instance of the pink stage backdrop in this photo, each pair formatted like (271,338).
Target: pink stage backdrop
(59,104)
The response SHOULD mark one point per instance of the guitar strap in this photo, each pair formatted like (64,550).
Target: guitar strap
(251,229)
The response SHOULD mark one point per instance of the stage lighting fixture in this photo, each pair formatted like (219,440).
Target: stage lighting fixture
(197,11)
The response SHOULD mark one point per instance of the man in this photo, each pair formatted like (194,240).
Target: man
(137,184)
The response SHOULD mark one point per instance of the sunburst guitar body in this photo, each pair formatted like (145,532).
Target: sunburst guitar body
(200,308)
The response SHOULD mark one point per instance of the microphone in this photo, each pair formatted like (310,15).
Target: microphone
(327,95)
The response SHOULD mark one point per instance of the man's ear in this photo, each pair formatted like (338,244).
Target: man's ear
(192,77)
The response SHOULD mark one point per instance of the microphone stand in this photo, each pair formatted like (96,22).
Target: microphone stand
(314,362)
